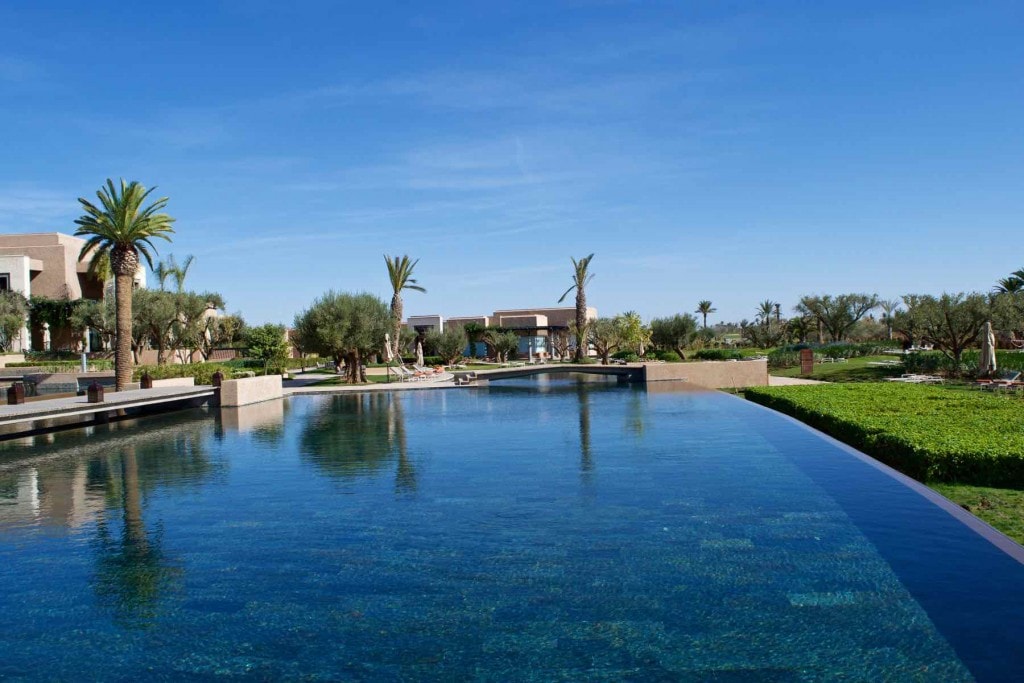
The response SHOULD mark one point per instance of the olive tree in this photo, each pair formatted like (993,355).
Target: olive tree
(950,322)
(674,333)
(606,335)
(13,313)
(345,327)
(450,344)
(837,314)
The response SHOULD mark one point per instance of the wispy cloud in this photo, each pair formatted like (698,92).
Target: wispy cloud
(29,208)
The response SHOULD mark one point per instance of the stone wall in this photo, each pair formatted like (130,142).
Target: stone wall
(242,392)
(711,374)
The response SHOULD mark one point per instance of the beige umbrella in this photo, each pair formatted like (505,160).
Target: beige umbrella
(388,355)
(419,353)
(987,361)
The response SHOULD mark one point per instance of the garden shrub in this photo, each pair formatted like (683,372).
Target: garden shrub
(718,354)
(668,356)
(203,372)
(929,433)
(64,365)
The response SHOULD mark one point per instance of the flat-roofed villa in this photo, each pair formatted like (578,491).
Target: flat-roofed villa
(46,264)
(533,325)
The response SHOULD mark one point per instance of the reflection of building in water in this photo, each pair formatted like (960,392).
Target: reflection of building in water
(254,416)
(49,497)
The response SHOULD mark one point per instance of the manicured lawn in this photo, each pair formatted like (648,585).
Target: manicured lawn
(853,370)
(931,433)
(1002,508)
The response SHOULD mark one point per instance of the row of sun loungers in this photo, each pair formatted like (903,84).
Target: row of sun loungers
(916,379)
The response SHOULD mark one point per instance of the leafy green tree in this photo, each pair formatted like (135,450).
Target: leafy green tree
(837,314)
(765,310)
(345,327)
(674,333)
(449,344)
(504,342)
(474,334)
(154,314)
(581,277)
(123,229)
(13,314)
(220,331)
(607,336)
(765,335)
(559,340)
(400,270)
(705,309)
(950,323)
(97,315)
(635,335)
(268,344)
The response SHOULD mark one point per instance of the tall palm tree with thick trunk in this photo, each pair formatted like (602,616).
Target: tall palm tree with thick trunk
(580,279)
(400,272)
(704,308)
(123,228)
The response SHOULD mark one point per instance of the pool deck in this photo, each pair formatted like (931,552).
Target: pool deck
(26,417)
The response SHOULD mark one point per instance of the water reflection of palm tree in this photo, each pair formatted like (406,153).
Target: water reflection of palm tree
(586,461)
(132,571)
(635,416)
(405,472)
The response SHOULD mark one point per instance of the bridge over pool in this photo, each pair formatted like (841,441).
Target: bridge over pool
(709,374)
(632,372)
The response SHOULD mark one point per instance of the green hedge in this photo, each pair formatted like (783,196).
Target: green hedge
(718,354)
(927,432)
(64,365)
(203,372)
(936,362)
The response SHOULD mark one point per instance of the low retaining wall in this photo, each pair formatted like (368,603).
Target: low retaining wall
(711,374)
(175,382)
(242,392)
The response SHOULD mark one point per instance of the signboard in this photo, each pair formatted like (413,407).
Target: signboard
(806,361)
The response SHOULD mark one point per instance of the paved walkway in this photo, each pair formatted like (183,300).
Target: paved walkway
(774,381)
(79,405)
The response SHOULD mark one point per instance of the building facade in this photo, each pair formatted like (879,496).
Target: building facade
(535,326)
(48,265)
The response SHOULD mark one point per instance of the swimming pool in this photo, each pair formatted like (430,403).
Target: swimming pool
(539,529)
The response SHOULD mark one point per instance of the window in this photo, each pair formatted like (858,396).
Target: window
(5,282)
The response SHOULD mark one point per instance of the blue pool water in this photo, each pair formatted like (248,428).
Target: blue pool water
(537,530)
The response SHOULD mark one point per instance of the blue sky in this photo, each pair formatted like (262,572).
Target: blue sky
(716,150)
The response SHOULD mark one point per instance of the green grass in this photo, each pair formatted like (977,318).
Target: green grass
(853,370)
(932,433)
(338,380)
(1002,508)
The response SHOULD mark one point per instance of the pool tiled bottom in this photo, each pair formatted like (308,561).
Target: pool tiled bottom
(563,531)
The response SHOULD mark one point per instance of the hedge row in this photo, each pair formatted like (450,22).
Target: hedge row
(64,365)
(929,433)
(931,362)
(203,372)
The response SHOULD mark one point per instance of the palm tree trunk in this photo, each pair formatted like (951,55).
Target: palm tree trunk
(581,321)
(123,348)
(396,325)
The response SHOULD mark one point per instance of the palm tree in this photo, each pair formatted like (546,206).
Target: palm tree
(765,310)
(580,279)
(400,272)
(1010,285)
(889,308)
(123,229)
(704,308)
